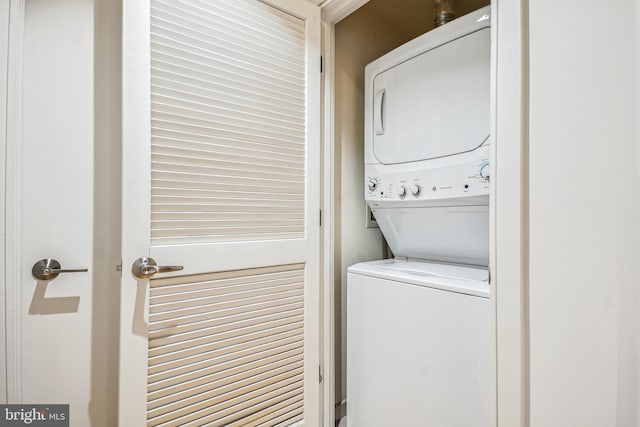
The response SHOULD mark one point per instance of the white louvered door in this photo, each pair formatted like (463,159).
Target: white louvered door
(221,174)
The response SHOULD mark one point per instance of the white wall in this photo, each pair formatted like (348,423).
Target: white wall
(584,213)
(360,39)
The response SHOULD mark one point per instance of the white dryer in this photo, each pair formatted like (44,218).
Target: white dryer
(418,326)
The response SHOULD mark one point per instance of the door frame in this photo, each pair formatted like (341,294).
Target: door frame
(4,49)
(509,186)
(510,204)
(12,209)
(333,11)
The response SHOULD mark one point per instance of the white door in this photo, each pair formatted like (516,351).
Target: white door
(49,209)
(221,172)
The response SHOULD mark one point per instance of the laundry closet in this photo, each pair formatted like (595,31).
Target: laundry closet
(372,31)
(563,193)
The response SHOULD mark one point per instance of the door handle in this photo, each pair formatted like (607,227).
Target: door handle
(49,268)
(379,107)
(145,267)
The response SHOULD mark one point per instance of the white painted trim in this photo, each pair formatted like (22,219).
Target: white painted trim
(510,180)
(3,146)
(14,203)
(492,216)
(136,150)
(334,11)
(328,233)
(4,51)
(313,314)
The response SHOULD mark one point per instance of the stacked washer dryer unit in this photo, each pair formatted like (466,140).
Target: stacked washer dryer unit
(418,327)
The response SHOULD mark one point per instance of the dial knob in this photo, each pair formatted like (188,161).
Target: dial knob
(485,172)
(416,189)
(372,184)
(402,191)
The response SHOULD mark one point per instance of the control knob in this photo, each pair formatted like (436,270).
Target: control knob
(416,189)
(402,191)
(372,184)
(485,172)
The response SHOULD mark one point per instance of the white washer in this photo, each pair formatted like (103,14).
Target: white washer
(418,326)
(418,345)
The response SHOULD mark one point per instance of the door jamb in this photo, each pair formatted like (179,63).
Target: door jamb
(510,208)
(333,11)
(13,206)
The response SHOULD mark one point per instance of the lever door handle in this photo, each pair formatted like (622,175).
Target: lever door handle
(49,269)
(145,267)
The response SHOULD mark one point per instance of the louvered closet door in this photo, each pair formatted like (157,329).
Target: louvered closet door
(221,146)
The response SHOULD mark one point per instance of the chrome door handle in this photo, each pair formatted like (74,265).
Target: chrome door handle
(49,268)
(145,267)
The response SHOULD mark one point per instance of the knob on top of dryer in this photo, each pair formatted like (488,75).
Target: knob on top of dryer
(416,189)
(372,184)
(402,191)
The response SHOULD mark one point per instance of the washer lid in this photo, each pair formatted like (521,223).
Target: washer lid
(436,104)
(436,270)
(447,277)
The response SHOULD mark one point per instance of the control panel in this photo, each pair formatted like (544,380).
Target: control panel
(470,177)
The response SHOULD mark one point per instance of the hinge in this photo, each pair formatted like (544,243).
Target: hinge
(319,373)
(321,64)
(489,271)
(320,217)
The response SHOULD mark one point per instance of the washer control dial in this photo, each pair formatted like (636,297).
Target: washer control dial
(402,191)
(416,189)
(372,184)
(485,171)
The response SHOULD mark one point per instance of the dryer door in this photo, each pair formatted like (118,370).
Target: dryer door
(435,104)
